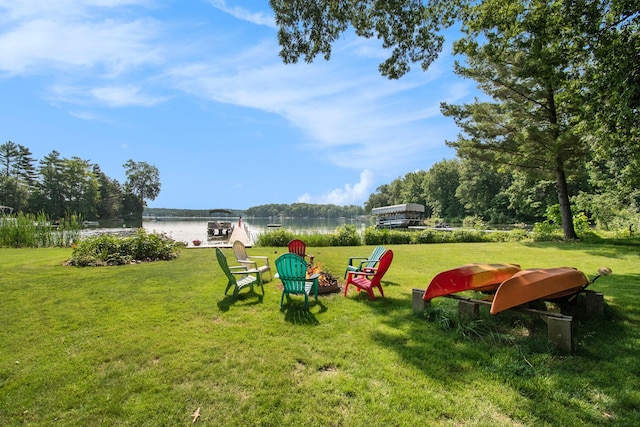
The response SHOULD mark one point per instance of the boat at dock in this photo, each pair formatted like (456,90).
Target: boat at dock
(469,277)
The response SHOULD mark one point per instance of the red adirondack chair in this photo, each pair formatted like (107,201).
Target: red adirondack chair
(299,248)
(363,279)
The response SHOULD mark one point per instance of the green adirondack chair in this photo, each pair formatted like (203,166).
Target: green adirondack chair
(367,264)
(239,277)
(292,271)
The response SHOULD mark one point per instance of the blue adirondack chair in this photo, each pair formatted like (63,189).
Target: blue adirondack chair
(239,277)
(367,264)
(292,271)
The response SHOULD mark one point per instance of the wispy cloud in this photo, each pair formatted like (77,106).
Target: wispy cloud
(123,96)
(348,195)
(243,14)
(358,120)
(39,37)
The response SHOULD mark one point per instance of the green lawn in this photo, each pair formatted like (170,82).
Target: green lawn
(148,344)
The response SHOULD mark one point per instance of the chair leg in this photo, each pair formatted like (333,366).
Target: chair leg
(381,291)
(346,287)
(371,296)
(282,300)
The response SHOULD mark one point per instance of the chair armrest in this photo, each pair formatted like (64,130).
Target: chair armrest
(313,277)
(355,257)
(366,260)
(245,272)
(237,267)
(249,264)
(260,257)
(367,272)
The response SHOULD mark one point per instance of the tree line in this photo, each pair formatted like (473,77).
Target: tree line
(59,186)
(562,105)
(304,210)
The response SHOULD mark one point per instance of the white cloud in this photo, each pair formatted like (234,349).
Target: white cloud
(115,96)
(348,195)
(350,114)
(40,45)
(243,14)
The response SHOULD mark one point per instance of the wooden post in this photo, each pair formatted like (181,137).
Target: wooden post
(560,333)
(468,309)
(418,303)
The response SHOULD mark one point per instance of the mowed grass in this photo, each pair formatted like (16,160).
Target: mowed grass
(149,344)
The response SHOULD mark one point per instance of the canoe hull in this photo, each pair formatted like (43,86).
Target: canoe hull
(469,277)
(534,284)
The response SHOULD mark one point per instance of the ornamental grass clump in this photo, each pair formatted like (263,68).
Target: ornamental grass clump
(106,249)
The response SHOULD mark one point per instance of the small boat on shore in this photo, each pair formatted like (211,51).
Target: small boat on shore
(469,277)
(540,283)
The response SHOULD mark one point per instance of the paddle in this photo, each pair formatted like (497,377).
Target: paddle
(602,271)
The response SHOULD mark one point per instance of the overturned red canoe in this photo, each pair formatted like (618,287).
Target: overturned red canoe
(469,277)
(540,283)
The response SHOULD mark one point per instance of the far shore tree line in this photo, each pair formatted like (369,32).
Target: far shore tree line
(59,187)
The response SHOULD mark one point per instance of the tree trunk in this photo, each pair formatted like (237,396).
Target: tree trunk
(565,206)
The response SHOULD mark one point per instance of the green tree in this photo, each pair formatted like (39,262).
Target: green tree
(80,188)
(517,55)
(482,192)
(50,195)
(109,194)
(17,175)
(409,28)
(8,157)
(412,190)
(440,186)
(143,182)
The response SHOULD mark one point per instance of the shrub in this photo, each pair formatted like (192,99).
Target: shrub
(345,235)
(275,238)
(475,222)
(546,231)
(106,249)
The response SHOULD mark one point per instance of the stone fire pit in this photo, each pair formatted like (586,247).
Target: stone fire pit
(327,282)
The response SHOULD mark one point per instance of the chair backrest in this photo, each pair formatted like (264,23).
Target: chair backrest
(375,257)
(298,247)
(240,250)
(224,265)
(383,266)
(292,271)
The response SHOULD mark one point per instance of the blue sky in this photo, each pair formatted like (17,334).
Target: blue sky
(196,88)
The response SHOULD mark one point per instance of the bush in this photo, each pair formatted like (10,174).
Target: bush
(275,238)
(106,249)
(345,235)
(546,231)
(475,222)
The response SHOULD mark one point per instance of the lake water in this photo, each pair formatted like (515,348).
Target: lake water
(187,230)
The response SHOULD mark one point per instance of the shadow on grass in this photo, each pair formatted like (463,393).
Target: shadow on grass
(295,313)
(245,298)
(512,349)
(613,248)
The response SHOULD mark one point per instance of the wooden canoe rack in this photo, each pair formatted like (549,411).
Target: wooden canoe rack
(559,326)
